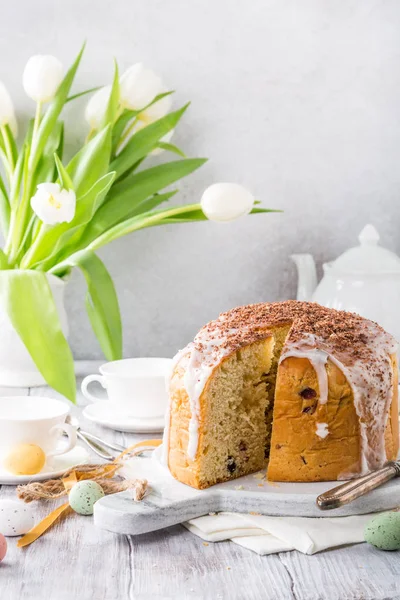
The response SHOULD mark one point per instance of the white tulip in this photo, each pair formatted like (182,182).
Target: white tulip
(7,115)
(42,77)
(52,204)
(156,111)
(139,86)
(97,106)
(226,202)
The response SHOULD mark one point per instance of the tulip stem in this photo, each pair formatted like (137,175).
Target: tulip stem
(36,122)
(24,239)
(29,258)
(125,135)
(19,236)
(9,153)
(18,215)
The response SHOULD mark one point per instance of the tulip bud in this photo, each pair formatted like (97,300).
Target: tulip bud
(97,106)
(226,202)
(53,204)
(156,111)
(138,87)
(7,115)
(42,77)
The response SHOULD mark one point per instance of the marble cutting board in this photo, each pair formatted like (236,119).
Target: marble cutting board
(170,502)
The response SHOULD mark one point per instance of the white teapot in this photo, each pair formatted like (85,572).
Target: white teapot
(364,279)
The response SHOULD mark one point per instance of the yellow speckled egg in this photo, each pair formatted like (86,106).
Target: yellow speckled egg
(25,459)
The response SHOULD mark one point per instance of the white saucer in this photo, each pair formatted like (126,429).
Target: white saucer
(76,456)
(103,413)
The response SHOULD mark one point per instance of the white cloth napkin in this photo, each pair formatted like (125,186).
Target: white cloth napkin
(267,535)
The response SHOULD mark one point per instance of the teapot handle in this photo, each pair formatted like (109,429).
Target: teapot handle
(307,274)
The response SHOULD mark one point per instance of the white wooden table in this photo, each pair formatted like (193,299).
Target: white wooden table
(76,561)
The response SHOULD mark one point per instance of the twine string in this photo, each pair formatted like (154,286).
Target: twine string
(103,474)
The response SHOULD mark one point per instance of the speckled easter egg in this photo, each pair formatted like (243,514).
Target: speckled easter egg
(84,495)
(16,518)
(25,459)
(3,547)
(383,531)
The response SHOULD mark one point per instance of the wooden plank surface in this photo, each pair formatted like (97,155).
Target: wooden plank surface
(75,561)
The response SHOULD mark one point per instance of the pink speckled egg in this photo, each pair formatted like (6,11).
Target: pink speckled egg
(3,547)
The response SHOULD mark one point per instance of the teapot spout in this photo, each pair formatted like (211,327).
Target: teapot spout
(307,276)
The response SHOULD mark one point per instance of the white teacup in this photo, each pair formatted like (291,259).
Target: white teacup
(135,386)
(35,420)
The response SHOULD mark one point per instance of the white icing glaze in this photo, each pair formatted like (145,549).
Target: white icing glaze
(322,430)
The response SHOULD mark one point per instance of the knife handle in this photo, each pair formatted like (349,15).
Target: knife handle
(349,491)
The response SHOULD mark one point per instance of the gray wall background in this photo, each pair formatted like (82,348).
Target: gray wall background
(298,101)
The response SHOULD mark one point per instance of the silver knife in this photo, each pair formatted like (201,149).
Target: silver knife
(349,491)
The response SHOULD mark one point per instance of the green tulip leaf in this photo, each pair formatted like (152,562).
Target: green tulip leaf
(91,162)
(84,93)
(110,114)
(257,211)
(65,179)
(3,261)
(11,144)
(101,303)
(46,167)
(17,178)
(27,299)
(167,146)
(144,141)
(151,203)
(102,306)
(4,208)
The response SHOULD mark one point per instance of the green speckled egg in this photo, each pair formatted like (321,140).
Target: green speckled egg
(383,531)
(84,495)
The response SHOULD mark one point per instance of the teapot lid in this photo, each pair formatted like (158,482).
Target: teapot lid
(368,257)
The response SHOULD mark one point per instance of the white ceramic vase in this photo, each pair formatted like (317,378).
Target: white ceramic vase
(17,368)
